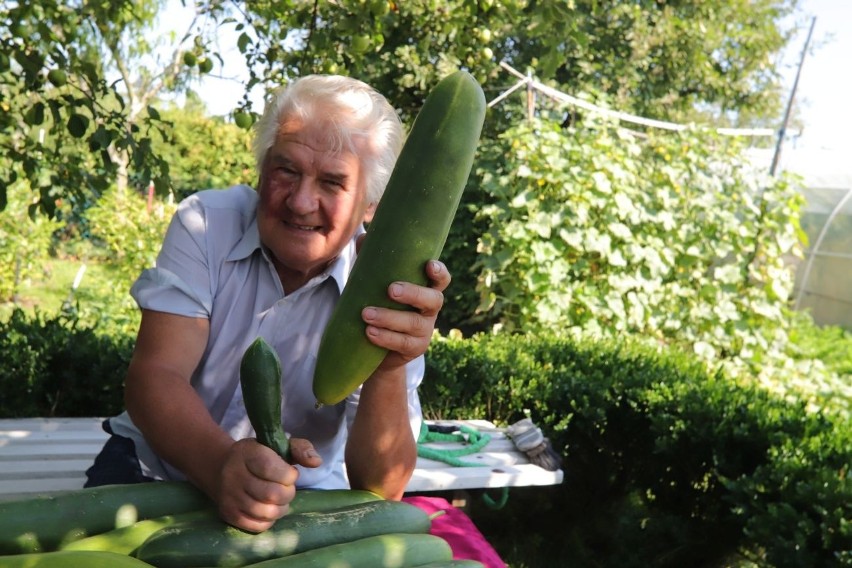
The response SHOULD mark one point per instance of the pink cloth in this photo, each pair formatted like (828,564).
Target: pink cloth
(459,531)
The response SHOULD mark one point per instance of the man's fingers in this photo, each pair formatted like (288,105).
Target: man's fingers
(427,301)
(438,274)
(256,486)
(407,333)
(304,453)
(265,464)
(253,516)
(267,493)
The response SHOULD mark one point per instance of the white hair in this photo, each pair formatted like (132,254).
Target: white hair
(353,115)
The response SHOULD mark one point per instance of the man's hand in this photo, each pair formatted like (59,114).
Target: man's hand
(256,486)
(406,334)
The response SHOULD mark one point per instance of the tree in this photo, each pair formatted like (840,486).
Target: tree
(78,82)
(204,152)
(680,61)
(667,60)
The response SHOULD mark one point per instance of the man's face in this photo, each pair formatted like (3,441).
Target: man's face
(312,199)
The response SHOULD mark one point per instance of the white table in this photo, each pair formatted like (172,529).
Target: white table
(47,455)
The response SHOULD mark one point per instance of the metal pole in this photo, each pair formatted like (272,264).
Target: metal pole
(781,133)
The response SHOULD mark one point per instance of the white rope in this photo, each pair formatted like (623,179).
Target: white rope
(622,116)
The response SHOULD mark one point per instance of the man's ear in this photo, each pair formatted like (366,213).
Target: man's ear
(368,214)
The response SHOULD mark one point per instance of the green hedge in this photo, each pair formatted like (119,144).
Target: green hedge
(665,465)
(53,367)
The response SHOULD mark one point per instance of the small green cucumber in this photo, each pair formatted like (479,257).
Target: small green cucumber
(260,379)
(409,228)
(197,544)
(44,523)
(72,559)
(392,550)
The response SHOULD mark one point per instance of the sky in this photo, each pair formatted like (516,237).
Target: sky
(823,95)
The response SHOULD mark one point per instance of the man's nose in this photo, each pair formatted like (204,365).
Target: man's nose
(303,197)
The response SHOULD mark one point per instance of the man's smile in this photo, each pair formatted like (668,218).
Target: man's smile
(301,227)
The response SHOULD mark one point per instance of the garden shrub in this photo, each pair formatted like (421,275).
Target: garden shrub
(131,232)
(665,464)
(672,238)
(53,367)
(25,241)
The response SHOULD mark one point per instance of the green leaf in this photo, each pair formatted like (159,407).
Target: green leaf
(243,41)
(35,114)
(601,182)
(100,139)
(77,125)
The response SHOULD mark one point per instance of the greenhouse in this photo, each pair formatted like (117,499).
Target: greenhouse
(822,275)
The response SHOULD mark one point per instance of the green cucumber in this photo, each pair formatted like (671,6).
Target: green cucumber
(71,559)
(44,523)
(260,379)
(386,550)
(409,228)
(195,544)
(126,540)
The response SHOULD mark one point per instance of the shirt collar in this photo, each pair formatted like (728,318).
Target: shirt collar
(338,270)
(248,243)
(342,265)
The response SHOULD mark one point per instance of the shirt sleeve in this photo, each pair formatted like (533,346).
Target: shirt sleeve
(180,281)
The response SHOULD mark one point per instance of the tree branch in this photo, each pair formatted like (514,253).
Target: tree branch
(311,28)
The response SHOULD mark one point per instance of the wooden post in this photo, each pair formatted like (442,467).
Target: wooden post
(530,98)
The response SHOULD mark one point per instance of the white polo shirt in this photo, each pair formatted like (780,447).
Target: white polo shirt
(212,266)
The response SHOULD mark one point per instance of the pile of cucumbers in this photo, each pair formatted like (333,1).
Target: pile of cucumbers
(172,524)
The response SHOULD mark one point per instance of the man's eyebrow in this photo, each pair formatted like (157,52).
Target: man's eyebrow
(278,159)
(337,177)
(334,175)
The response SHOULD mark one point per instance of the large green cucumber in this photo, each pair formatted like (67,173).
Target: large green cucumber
(260,380)
(126,540)
(409,228)
(194,544)
(391,550)
(42,524)
(71,559)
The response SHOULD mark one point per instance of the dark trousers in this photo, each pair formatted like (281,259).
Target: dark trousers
(116,463)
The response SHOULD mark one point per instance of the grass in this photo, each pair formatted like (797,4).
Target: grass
(831,345)
(53,287)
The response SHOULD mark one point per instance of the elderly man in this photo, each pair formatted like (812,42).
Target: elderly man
(236,264)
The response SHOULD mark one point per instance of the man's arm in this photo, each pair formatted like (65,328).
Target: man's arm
(250,483)
(381,451)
